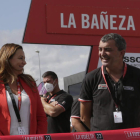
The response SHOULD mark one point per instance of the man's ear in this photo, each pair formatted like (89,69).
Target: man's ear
(122,53)
(56,80)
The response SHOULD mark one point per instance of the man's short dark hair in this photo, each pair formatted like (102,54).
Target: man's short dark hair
(119,40)
(50,73)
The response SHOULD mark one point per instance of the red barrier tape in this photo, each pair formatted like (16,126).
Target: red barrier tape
(123,134)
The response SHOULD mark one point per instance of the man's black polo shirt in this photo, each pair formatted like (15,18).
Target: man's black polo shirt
(75,113)
(61,123)
(95,89)
(116,88)
(75,110)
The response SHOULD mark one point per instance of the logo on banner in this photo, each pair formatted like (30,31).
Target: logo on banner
(47,137)
(100,24)
(132,59)
(99,136)
(32,138)
(83,136)
(132,134)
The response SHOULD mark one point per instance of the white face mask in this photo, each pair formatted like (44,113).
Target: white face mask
(49,87)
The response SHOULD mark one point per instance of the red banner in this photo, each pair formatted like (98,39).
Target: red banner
(91,20)
(124,134)
(82,22)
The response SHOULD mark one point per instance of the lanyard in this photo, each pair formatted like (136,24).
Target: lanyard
(14,102)
(19,94)
(51,98)
(125,69)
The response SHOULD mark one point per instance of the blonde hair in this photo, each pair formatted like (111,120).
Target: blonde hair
(6,74)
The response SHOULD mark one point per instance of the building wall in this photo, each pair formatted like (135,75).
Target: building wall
(73,82)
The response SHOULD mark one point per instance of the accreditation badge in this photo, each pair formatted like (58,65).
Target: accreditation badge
(21,131)
(117,117)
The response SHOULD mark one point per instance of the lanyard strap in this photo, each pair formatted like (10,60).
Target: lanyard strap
(14,102)
(84,126)
(19,94)
(102,69)
(51,97)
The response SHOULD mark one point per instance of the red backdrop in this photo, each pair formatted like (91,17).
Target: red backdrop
(80,22)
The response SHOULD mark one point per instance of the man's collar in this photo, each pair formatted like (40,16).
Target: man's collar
(58,92)
(124,69)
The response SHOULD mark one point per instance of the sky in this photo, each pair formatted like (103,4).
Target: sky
(62,59)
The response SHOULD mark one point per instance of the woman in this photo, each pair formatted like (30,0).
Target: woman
(27,116)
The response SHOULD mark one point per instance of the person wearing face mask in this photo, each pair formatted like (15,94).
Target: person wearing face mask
(57,105)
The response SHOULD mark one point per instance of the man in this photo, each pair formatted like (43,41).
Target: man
(77,124)
(111,94)
(57,106)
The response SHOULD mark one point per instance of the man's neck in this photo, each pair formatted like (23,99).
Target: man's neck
(55,91)
(116,69)
(115,72)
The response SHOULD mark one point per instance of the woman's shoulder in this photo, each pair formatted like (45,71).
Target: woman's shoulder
(28,80)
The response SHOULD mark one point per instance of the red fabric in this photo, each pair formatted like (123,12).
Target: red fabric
(38,120)
(122,134)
